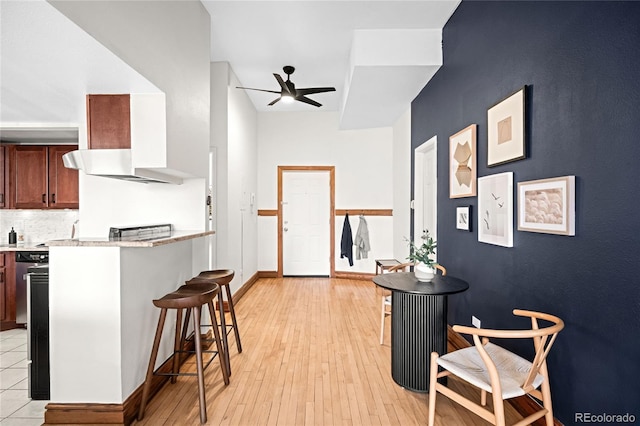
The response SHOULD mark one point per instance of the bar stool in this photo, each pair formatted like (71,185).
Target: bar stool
(221,277)
(191,298)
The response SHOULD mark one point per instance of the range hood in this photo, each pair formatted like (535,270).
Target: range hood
(116,164)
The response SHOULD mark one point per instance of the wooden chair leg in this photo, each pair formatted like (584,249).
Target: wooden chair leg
(199,365)
(152,362)
(545,389)
(234,322)
(433,380)
(222,354)
(382,315)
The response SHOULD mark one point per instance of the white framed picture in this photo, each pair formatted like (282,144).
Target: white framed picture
(495,209)
(547,206)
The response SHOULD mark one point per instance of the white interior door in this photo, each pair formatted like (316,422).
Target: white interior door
(426,189)
(305,222)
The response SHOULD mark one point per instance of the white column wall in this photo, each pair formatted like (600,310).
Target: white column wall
(234,134)
(362,160)
(401,185)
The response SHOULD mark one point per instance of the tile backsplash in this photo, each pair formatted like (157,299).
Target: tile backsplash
(38,226)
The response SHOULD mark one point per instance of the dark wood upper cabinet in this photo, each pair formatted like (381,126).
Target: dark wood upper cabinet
(29,177)
(63,182)
(108,122)
(37,178)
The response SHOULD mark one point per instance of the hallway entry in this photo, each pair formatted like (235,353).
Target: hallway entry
(305,221)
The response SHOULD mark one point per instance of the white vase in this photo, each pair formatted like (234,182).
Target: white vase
(423,272)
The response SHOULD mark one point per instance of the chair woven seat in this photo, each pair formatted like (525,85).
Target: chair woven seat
(513,369)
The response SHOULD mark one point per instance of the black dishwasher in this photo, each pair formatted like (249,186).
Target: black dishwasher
(38,331)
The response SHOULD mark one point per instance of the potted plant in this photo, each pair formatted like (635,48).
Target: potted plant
(420,255)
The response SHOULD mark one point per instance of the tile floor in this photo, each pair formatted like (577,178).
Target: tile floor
(16,409)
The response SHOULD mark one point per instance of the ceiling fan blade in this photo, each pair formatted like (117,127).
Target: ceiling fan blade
(259,90)
(283,85)
(312,90)
(308,101)
(274,101)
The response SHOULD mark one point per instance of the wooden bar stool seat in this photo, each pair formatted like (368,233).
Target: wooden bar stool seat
(191,298)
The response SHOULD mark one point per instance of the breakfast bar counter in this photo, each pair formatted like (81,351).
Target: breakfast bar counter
(102,319)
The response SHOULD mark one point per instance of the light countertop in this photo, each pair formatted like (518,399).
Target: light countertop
(25,247)
(175,237)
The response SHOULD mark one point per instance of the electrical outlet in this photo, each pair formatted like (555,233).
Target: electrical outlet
(475,321)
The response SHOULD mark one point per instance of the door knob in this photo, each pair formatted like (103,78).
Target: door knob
(286,229)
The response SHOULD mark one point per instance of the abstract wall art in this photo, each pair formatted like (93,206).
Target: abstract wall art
(547,206)
(495,209)
(506,130)
(462,163)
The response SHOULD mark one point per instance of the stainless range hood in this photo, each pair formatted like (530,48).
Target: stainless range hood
(116,164)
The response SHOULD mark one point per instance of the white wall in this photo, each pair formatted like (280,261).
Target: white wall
(167,43)
(401,185)
(362,160)
(234,135)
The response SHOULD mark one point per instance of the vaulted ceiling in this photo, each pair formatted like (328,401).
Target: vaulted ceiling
(377,54)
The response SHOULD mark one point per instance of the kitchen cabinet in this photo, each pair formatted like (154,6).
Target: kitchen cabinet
(108,121)
(63,182)
(3,172)
(7,291)
(38,178)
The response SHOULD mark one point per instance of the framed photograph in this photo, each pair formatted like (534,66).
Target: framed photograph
(548,206)
(463,218)
(495,209)
(462,163)
(505,130)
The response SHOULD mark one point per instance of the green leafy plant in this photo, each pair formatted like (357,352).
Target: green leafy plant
(422,252)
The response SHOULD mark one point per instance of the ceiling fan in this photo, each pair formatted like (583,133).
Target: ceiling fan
(289,93)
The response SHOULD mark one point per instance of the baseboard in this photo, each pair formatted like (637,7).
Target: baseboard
(354,275)
(524,405)
(10,325)
(125,413)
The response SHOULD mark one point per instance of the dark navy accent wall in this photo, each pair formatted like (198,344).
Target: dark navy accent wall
(580,62)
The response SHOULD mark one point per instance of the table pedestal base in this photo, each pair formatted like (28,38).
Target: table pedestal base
(418,327)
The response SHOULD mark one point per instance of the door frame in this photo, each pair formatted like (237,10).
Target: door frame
(332,211)
(418,188)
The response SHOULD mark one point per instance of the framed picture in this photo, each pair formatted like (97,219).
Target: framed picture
(495,209)
(548,206)
(462,163)
(463,218)
(505,130)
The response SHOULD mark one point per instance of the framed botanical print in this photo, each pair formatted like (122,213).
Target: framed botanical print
(506,130)
(495,209)
(462,163)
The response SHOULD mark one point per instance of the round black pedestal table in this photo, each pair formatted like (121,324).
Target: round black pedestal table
(418,324)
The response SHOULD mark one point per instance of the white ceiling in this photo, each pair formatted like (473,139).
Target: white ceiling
(48,64)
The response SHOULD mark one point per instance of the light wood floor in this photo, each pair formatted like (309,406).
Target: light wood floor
(311,356)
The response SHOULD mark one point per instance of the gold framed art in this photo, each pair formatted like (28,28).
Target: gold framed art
(463,163)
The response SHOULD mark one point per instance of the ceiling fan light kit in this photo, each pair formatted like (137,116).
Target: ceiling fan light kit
(289,93)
